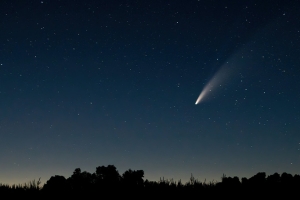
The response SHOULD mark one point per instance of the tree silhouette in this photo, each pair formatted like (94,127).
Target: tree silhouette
(273,179)
(57,184)
(80,181)
(107,177)
(132,178)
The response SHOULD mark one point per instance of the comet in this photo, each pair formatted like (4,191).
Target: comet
(229,72)
(208,88)
(215,83)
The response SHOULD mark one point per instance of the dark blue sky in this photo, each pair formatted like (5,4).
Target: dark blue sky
(90,83)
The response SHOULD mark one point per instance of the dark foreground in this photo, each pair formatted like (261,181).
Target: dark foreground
(107,183)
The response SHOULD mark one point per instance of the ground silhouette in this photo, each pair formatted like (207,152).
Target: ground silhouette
(106,181)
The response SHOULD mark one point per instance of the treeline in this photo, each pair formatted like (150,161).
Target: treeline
(106,180)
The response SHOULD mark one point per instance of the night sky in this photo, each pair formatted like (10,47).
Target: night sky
(97,82)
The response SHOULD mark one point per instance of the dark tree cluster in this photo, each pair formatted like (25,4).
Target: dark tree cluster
(274,185)
(106,181)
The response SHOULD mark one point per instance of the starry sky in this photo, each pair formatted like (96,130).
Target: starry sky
(95,82)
